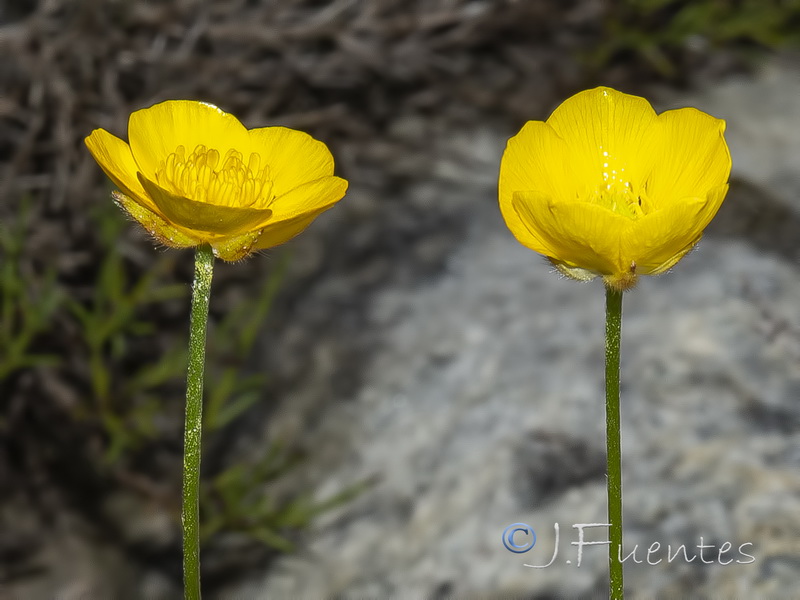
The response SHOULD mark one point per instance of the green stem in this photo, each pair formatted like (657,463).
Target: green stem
(190,517)
(614,452)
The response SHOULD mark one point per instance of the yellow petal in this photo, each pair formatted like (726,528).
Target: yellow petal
(693,156)
(203,217)
(659,240)
(607,133)
(294,157)
(295,211)
(156,132)
(578,234)
(278,233)
(534,160)
(115,158)
(164,232)
(307,198)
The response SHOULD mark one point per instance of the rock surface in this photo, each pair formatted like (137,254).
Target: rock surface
(480,403)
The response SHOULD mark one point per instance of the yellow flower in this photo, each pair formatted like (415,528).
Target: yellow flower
(194,174)
(607,187)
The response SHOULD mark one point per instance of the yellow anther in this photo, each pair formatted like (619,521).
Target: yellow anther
(201,178)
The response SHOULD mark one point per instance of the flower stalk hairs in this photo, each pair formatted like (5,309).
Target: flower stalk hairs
(194,177)
(608,188)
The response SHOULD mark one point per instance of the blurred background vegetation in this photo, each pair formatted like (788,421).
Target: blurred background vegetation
(93,321)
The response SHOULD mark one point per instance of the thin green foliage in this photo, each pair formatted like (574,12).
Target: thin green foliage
(129,401)
(236,501)
(27,303)
(656,30)
(126,400)
(231,344)
(128,392)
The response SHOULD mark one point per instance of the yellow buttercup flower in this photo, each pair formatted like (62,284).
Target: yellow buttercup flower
(194,174)
(607,187)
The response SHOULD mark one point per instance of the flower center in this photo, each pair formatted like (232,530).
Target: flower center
(621,198)
(616,192)
(202,177)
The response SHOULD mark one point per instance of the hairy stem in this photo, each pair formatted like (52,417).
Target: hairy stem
(614,453)
(190,516)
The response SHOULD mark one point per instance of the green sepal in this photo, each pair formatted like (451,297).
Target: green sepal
(160,229)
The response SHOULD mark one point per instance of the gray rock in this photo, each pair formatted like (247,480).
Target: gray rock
(483,404)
